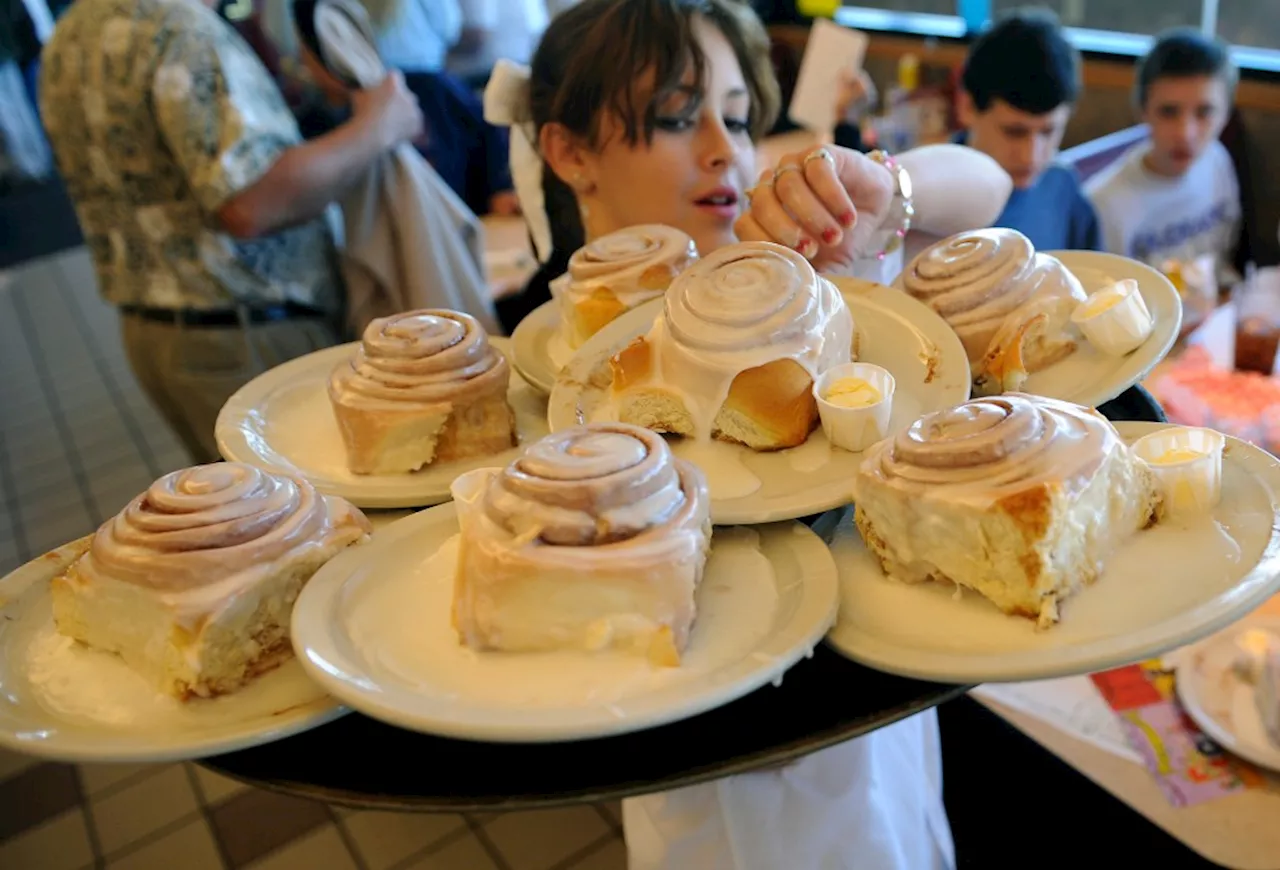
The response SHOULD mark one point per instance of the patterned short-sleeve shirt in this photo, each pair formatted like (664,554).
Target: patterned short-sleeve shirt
(159,113)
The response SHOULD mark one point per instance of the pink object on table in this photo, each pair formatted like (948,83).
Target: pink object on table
(1196,392)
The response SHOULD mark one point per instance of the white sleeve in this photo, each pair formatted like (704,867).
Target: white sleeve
(1108,204)
(956,188)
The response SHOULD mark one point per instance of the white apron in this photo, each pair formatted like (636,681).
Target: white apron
(873,803)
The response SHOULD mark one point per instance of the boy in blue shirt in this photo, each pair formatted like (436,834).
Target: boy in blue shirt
(1020,82)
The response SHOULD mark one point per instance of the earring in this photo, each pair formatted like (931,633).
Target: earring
(578,183)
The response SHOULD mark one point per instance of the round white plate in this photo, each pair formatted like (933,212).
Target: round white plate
(62,700)
(538,348)
(282,421)
(891,329)
(375,631)
(1167,586)
(1089,377)
(1219,701)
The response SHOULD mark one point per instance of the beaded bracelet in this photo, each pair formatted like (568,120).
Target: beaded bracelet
(902,183)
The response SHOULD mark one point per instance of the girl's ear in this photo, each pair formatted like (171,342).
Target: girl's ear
(567,156)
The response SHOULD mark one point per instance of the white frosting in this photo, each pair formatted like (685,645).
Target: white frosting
(199,537)
(745,306)
(623,263)
(988,449)
(419,359)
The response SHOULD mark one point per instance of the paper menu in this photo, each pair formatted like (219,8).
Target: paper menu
(1072,705)
(1133,713)
(832,51)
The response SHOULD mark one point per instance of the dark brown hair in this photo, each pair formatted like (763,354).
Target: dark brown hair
(600,56)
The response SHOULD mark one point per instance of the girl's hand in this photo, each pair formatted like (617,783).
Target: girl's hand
(826,203)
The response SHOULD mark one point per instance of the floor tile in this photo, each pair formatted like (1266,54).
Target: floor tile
(322,849)
(612,856)
(141,808)
(191,847)
(538,840)
(465,853)
(97,778)
(62,843)
(386,838)
(36,795)
(12,763)
(215,787)
(255,822)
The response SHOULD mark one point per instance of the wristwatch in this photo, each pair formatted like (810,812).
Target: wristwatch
(902,196)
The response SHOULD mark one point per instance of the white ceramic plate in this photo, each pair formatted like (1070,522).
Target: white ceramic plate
(1219,701)
(63,701)
(1089,377)
(892,330)
(538,348)
(282,421)
(375,631)
(1167,586)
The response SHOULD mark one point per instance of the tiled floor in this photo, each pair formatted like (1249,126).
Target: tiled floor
(77,441)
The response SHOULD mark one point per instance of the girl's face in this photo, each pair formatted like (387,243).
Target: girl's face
(693,172)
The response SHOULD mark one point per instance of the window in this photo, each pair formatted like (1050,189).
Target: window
(1108,26)
(933,7)
(1132,16)
(1246,22)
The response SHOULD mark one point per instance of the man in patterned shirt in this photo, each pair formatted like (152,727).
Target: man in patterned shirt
(201,206)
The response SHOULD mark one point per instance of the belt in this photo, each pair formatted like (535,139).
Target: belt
(221,317)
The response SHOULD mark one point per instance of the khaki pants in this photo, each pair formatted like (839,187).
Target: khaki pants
(189,372)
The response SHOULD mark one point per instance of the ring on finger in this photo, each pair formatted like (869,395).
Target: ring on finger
(785,168)
(819,154)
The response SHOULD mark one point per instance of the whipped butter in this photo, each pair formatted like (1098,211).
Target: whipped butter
(855,403)
(853,393)
(1115,319)
(1187,463)
(1177,455)
(1102,301)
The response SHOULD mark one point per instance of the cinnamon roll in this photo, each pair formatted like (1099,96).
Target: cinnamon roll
(1018,497)
(742,337)
(618,272)
(1010,306)
(424,386)
(193,583)
(595,538)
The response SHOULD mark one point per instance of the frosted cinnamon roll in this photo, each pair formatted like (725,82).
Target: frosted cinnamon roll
(424,386)
(193,582)
(595,538)
(1010,306)
(742,337)
(1018,497)
(618,272)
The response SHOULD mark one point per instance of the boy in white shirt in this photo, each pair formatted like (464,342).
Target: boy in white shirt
(1176,197)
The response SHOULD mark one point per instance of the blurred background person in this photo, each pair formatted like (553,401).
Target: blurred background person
(200,205)
(494,30)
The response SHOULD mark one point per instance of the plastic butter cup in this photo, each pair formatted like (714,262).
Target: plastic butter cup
(1115,319)
(1188,466)
(855,427)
